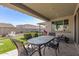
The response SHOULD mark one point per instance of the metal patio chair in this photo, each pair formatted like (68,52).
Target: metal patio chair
(22,51)
(54,44)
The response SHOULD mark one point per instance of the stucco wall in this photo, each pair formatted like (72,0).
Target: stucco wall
(69,33)
(48,26)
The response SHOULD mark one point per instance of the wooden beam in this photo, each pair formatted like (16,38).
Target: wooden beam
(26,8)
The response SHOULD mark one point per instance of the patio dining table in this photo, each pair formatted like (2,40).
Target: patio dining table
(41,40)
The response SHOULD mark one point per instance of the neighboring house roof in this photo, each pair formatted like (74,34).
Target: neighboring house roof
(27,26)
(6,25)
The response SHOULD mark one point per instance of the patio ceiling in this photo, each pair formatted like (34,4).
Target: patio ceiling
(46,11)
(53,10)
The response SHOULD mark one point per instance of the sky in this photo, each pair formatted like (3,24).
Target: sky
(14,17)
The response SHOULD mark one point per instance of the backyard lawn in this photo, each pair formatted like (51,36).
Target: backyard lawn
(6,44)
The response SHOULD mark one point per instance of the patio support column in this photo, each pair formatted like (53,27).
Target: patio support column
(49,26)
(39,28)
(77,27)
(78,24)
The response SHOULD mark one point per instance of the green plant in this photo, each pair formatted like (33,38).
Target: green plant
(4,35)
(27,36)
(36,34)
(7,46)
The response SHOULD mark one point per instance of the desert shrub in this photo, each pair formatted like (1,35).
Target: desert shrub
(4,35)
(21,32)
(36,34)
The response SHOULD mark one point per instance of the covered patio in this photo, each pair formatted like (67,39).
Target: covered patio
(60,18)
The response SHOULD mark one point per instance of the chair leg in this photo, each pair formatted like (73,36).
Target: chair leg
(56,52)
(44,51)
(48,47)
(30,46)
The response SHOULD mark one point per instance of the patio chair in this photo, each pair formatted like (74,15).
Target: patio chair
(27,37)
(53,44)
(52,34)
(65,39)
(22,51)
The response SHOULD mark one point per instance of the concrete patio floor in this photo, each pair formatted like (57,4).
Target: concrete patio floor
(65,50)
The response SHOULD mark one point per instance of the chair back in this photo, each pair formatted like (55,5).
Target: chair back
(54,42)
(52,34)
(22,51)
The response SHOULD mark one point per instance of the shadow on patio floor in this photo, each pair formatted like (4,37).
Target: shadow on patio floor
(65,50)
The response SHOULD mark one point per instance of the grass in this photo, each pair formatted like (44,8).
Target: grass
(7,45)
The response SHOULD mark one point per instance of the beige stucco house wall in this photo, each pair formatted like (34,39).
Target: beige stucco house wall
(69,33)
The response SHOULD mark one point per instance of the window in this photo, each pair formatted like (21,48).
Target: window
(61,25)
